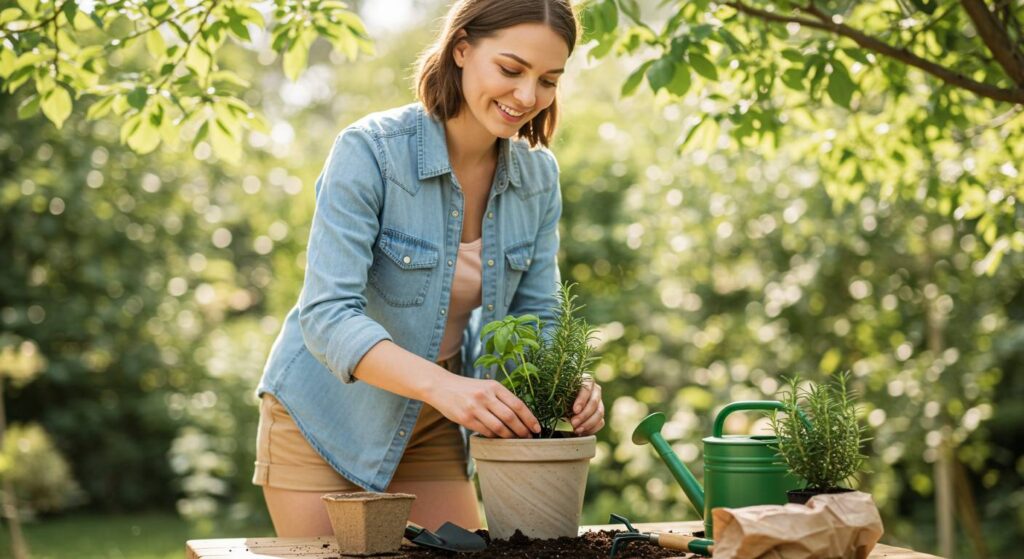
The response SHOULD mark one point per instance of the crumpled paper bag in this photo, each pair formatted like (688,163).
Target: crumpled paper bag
(830,526)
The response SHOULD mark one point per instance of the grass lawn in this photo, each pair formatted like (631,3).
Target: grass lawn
(156,535)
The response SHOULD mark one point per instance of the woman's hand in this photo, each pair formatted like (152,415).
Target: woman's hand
(484,406)
(588,409)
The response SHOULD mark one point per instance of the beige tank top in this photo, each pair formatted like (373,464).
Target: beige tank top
(465,297)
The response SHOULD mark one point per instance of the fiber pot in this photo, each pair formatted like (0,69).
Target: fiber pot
(368,523)
(533,485)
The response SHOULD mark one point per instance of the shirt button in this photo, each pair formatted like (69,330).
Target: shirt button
(490,215)
(455,213)
(406,259)
(490,307)
(490,262)
(443,312)
(528,260)
(450,263)
(401,433)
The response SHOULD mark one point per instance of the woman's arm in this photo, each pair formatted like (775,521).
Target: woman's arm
(484,406)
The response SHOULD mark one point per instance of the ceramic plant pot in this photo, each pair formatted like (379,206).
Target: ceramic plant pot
(533,485)
(368,523)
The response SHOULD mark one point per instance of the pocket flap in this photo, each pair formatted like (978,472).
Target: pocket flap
(520,257)
(408,252)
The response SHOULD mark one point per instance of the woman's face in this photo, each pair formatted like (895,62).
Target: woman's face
(511,76)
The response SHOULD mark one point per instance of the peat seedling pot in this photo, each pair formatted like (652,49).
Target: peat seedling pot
(801,496)
(533,485)
(368,523)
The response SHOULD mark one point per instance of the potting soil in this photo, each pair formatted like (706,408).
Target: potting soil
(591,545)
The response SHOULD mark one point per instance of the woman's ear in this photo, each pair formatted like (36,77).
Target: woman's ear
(461,44)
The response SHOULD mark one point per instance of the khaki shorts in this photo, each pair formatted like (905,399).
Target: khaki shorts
(284,460)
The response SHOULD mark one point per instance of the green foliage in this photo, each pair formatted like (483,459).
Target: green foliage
(40,476)
(819,435)
(914,82)
(548,370)
(156,64)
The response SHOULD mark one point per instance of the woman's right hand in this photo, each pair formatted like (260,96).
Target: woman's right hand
(484,406)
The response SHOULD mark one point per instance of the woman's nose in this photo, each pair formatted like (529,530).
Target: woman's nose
(527,95)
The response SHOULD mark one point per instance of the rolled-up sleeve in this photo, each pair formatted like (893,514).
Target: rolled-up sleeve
(537,288)
(349,197)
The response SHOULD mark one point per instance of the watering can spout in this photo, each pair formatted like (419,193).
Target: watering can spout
(649,431)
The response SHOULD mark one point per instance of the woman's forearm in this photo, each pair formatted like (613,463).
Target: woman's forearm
(389,367)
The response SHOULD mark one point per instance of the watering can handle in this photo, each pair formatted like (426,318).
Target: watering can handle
(764,405)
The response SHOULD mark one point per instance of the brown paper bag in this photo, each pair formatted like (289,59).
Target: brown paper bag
(831,526)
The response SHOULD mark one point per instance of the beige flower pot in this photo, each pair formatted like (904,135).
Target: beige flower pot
(368,523)
(534,485)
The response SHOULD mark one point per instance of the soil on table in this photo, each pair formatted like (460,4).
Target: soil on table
(591,545)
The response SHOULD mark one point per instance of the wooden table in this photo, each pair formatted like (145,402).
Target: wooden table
(324,547)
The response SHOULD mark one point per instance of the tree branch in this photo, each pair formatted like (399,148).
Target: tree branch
(994,35)
(823,22)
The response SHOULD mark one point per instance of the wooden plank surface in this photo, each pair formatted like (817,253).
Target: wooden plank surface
(324,547)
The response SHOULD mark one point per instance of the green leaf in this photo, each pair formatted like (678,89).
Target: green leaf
(239,29)
(858,54)
(137,98)
(630,8)
(703,66)
(145,137)
(297,55)
(840,87)
(7,62)
(610,15)
(634,79)
(29,107)
(681,81)
(792,55)
(56,105)
(155,44)
(100,108)
(8,15)
(660,73)
(794,79)
(225,144)
(501,340)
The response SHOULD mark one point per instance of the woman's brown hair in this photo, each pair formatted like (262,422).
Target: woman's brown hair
(439,79)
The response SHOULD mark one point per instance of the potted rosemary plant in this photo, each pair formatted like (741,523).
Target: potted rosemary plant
(823,447)
(536,485)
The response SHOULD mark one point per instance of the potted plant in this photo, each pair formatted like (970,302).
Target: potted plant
(536,485)
(820,436)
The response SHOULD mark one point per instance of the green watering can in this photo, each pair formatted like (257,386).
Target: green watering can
(739,470)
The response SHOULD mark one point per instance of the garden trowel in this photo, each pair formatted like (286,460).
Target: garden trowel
(448,537)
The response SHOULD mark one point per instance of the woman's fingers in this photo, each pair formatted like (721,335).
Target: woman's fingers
(593,424)
(521,416)
(591,411)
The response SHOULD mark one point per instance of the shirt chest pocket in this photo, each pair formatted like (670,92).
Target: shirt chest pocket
(518,258)
(402,268)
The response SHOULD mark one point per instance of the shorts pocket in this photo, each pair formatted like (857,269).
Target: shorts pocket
(402,268)
(518,258)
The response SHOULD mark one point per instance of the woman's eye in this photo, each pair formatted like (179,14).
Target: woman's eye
(548,83)
(508,72)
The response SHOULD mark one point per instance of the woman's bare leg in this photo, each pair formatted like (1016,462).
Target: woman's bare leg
(297,514)
(438,502)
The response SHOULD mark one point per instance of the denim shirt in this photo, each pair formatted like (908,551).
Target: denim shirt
(380,264)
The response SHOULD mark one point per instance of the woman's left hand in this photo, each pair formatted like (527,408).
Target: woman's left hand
(588,409)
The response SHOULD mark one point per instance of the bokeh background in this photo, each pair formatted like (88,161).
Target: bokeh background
(139,296)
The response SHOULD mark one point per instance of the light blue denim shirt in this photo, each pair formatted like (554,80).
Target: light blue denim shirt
(380,263)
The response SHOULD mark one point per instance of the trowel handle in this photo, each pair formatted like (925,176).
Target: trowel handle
(683,542)
(763,405)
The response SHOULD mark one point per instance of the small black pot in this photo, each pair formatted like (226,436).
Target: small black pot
(801,496)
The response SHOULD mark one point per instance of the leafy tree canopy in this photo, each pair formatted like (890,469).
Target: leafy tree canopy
(74,51)
(934,91)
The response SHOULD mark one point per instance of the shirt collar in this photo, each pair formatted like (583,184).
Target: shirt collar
(433,153)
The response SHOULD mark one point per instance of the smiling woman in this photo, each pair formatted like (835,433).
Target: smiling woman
(431,219)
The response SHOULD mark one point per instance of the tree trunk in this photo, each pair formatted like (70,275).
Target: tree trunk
(8,506)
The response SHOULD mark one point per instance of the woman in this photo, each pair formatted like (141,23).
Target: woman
(431,219)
